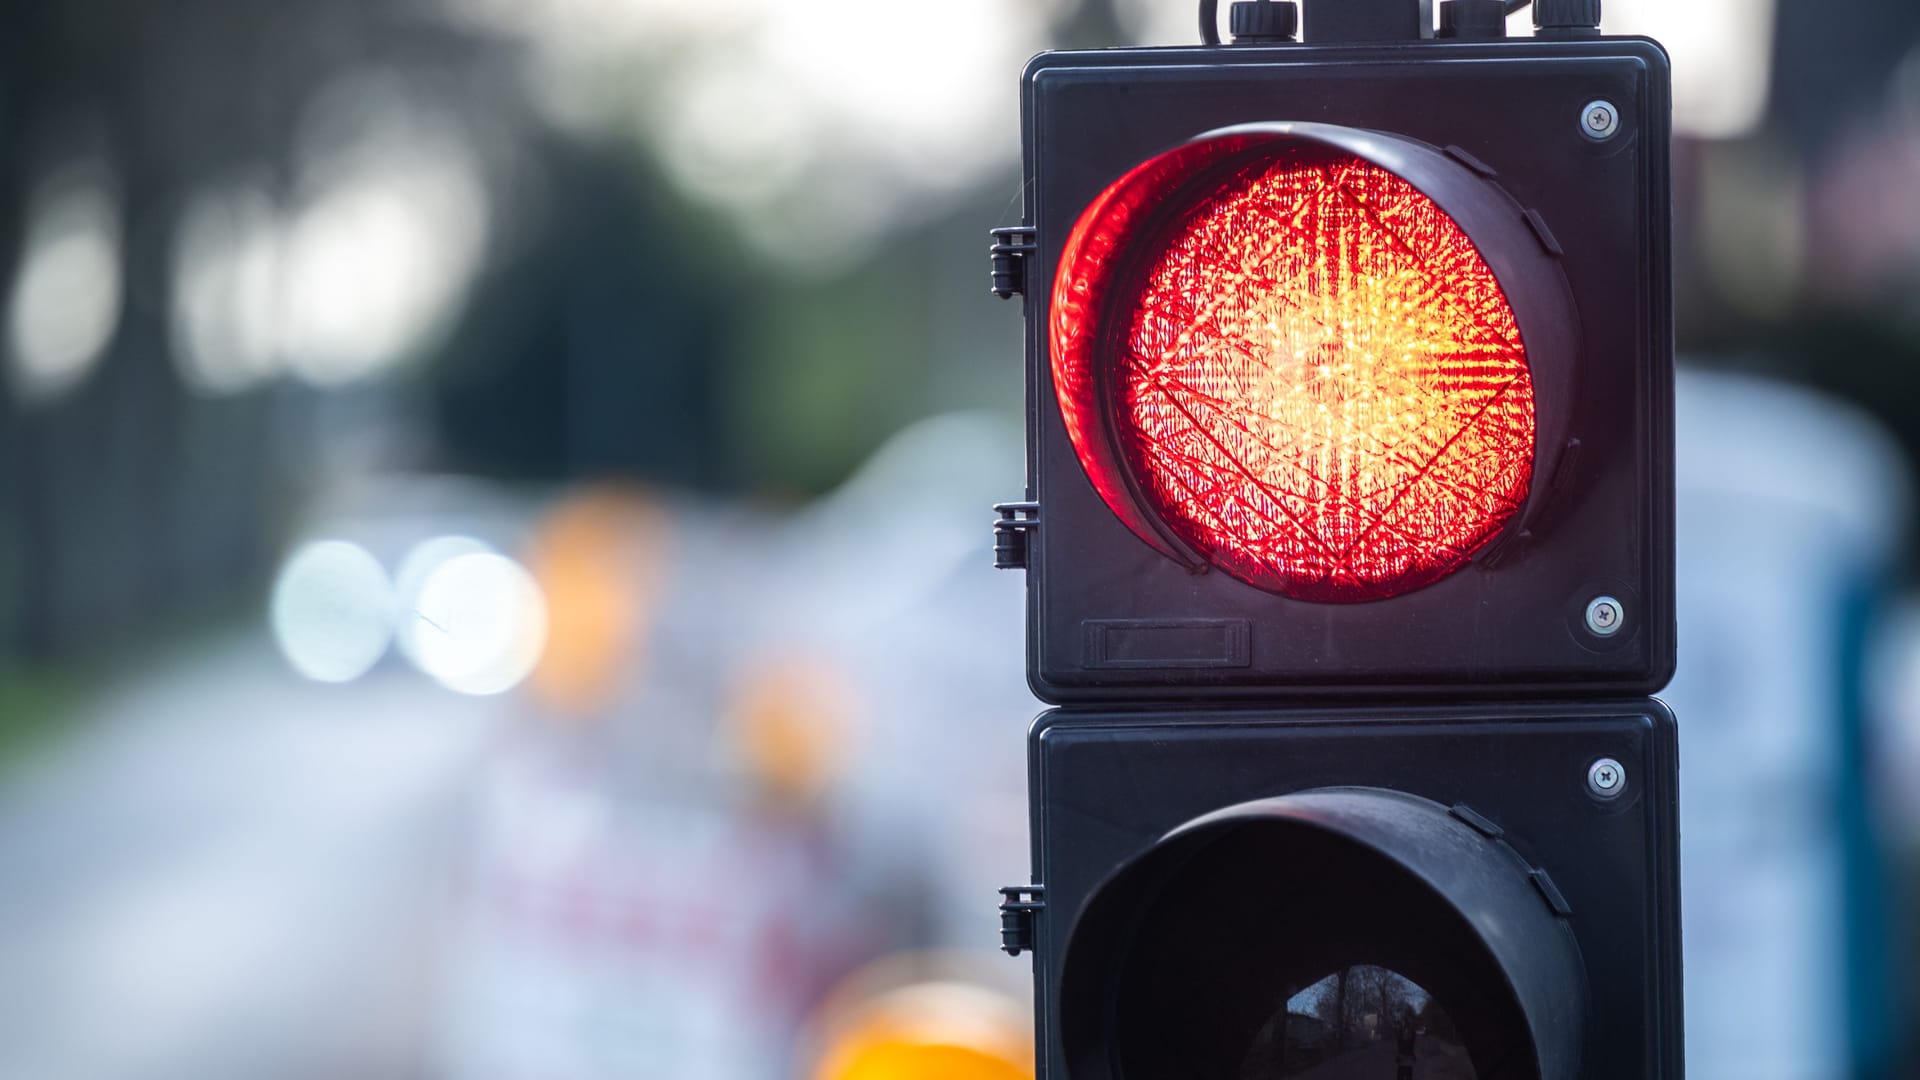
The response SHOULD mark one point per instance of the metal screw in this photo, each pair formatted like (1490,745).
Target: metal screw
(1605,616)
(1606,778)
(1599,121)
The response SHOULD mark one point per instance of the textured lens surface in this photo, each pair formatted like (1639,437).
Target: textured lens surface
(1318,384)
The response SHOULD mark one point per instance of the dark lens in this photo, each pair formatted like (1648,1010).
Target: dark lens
(1303,942)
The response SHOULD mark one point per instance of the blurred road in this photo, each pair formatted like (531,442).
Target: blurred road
(231,872)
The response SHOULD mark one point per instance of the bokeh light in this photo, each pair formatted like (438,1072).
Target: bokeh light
(600,558)
(332,611)
(226,280)
(387,234)
(790,717)
(67,292)
(930,1031)
(417,567)
(481,623)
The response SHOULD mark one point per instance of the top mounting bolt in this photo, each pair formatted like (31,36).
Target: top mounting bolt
(1566,18)
(1263,22)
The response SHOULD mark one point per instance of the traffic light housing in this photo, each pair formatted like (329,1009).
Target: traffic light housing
(1531,180)
(1348,534)
(1202,870)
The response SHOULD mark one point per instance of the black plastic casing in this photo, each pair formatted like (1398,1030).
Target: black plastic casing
(1108,787)
(1111,619)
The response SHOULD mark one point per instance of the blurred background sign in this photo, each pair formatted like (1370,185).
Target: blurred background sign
(493,530)
(1793,511)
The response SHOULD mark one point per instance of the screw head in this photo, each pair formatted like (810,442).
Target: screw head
(1605,616)
(1599,121)
(1606,778)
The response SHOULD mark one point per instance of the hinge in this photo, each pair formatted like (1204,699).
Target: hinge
(1018,912)
(1542,881)
(1551,893)
(1477,821)
(1012,533)
(1009,252)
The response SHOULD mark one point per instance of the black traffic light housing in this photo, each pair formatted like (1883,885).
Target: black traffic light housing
(1463,785)
(1201,869)
(1113,619)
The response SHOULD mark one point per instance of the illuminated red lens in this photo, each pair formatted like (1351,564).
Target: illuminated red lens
(1310,374)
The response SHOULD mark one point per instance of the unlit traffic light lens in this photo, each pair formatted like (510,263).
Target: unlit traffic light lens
(1307,370)
(1210,954)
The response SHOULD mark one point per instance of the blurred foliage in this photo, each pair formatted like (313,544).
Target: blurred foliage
(633,336)
(596,347)
(832,366)
(33,706)
(831,369)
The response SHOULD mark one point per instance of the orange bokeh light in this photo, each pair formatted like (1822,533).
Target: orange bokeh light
(930,1031)
(1313,378)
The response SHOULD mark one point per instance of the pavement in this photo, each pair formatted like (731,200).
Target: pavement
(230,872)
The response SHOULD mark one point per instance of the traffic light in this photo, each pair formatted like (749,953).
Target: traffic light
(1348,536)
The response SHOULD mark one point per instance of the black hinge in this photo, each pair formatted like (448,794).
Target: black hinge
(1542,881)
(1018,911)
(1009,252)
(1012,533)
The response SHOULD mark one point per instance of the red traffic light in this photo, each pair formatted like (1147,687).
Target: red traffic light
(1307,373)
(1279,354)
(1401,374)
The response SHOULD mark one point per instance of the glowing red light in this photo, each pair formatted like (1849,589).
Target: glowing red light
(1309,373)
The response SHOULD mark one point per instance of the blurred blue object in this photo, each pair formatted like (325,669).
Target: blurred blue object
(1792,517)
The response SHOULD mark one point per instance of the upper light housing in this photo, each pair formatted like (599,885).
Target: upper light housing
(1348,375)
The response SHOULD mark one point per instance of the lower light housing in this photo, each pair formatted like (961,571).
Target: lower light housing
(1204,868)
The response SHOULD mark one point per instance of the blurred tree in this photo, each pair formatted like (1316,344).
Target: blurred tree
(600,348)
